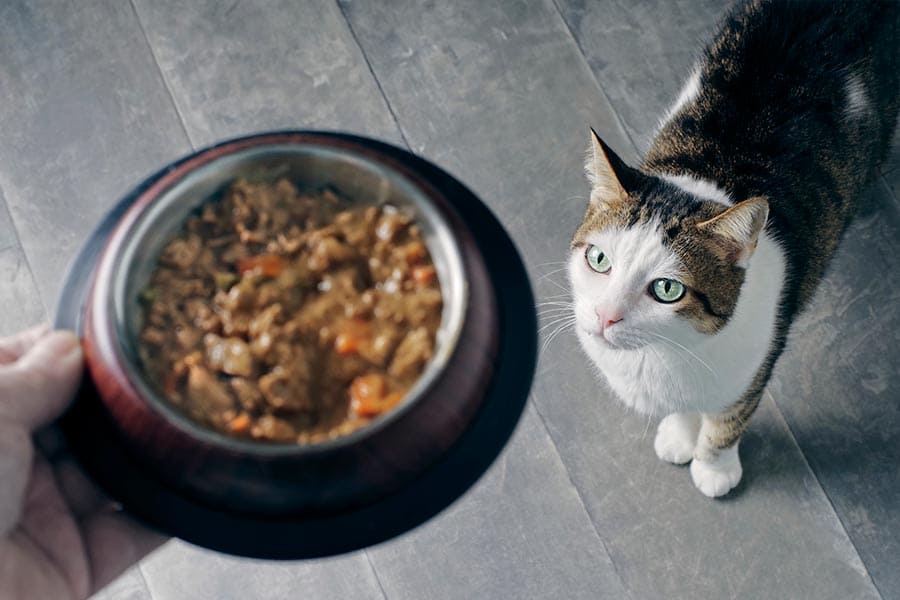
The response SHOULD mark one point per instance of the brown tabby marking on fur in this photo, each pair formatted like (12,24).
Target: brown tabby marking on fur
(725,429)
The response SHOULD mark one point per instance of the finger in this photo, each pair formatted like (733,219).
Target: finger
(51,528)
(11,348)
(16,455)
(35,389)
(114,542)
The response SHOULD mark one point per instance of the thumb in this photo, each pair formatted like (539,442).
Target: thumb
(36,389)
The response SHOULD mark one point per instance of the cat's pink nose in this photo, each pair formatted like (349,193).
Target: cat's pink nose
(607,318)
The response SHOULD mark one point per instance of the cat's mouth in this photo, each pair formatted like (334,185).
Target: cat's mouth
(612,339)
(599,336)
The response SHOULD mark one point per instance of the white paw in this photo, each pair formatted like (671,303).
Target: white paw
(676,437)
(717,477)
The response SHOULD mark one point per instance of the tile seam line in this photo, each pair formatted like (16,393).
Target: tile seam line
(365,57)
(143,576)
(162,75)
(584,507)
(375,574)
(587,64)
(834,511)
(882,180)
(396,121)
(17,244)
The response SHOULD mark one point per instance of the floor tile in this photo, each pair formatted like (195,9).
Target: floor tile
(234,68)
(19,298)
(85,116)
(179,571)
(129,586)
(520,533)
(641,52)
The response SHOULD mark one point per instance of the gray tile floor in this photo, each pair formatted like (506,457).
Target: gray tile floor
(95,95)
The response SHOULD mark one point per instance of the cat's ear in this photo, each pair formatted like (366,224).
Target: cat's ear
(734,233)
(608,174)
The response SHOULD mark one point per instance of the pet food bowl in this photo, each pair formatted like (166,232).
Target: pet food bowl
(276,500)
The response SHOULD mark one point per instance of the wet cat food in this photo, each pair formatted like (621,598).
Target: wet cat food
(287,316)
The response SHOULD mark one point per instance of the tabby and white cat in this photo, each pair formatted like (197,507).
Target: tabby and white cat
(688,271)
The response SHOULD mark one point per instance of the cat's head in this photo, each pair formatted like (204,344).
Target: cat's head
(651,259)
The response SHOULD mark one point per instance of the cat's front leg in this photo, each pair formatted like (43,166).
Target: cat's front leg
(676,437)
(716,467)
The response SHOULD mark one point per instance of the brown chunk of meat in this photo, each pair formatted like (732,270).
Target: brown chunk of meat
(206,393)
(181,253)
(272,428)
(288,388)
(228,355)
(248,394)
(412,354)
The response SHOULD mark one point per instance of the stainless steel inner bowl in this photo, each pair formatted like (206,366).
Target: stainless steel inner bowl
(355,177)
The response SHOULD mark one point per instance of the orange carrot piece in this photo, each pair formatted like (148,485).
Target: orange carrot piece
(346,343)
(390,401)
(367,395)
(240,424)
(423,275)
(415,251)
(352,334)
(267,265)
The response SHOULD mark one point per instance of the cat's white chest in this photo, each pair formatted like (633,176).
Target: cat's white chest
(655,380)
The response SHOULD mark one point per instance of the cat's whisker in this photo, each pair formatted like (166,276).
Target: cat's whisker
(556,321)
(552,262)
(560,302)
(557,310)
(560,306)
(688,350)
(672,380)
(554,314)
(679,353)
(555,334)
(557,303)
(548,274)
(558,285)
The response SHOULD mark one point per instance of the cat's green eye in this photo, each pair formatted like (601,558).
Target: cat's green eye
(597,260)
(667,290)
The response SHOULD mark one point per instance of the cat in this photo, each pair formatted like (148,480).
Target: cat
(687,272)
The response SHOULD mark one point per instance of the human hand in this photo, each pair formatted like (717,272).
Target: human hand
(59,536)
